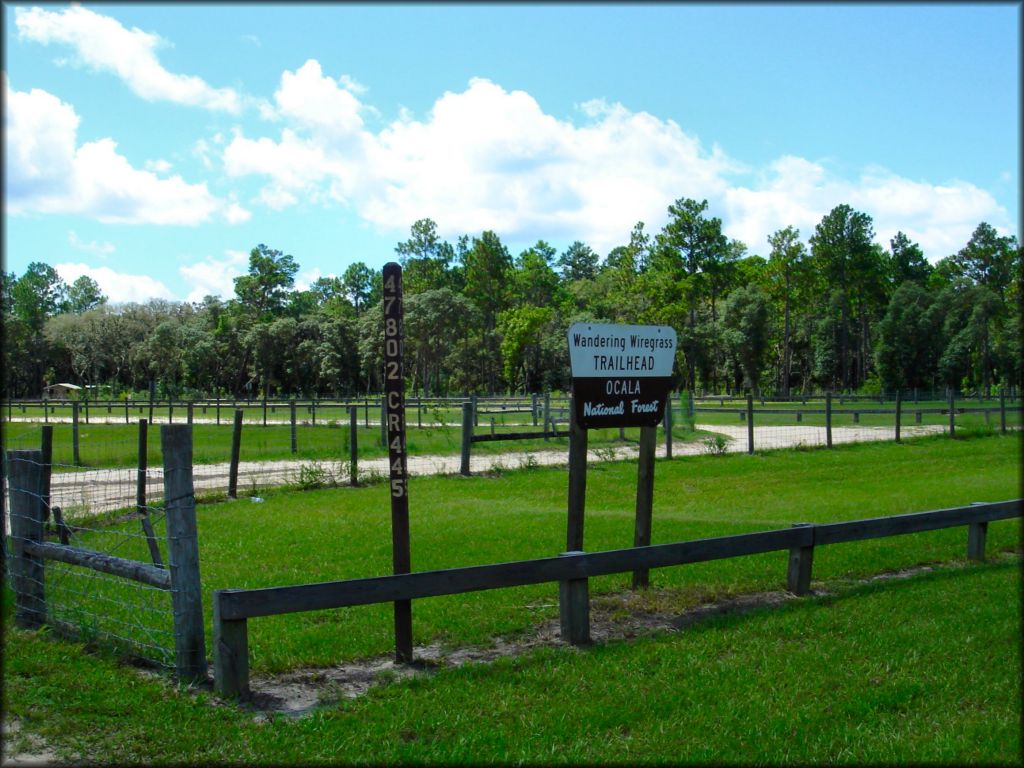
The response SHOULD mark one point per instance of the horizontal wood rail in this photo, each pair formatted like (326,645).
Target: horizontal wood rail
(272,601)
(116,566)
(487,438)
(916,522)
(843,411)
(233,607)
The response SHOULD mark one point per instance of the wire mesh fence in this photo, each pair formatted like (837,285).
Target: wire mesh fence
(84,516)
(126,577)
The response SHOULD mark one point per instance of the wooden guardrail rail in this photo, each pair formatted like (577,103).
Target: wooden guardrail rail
(232,608)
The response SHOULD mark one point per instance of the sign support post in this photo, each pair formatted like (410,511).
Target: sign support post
(622,375)
(394,399)
(577,481)
(644,500)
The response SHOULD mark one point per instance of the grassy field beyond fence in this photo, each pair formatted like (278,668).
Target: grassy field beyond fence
(917,670)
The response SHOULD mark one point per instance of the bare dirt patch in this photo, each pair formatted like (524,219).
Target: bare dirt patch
(23,748)
(613,617)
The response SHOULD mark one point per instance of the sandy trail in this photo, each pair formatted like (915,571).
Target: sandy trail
(100,490)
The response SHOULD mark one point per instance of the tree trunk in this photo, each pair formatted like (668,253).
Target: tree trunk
(844,344)
(787,352)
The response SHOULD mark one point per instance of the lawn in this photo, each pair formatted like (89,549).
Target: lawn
(925,669)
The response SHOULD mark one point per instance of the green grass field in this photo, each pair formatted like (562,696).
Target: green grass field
(917,670)
(925,670)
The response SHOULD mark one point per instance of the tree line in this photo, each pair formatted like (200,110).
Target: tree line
(838,312)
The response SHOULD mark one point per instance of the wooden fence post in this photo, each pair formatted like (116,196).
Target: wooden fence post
(828,419)
(189,408)
(801,559)
(547,413)
(644,500)
(218,410)
(533,408)
(3,512)
(46,411)
(1002,410)
(467,437)
(577,481)
(899,410)
(25,480)
(47,448)
(668,426)
(976,535)
(76,455)
(952,412)
(574,608)
(291,414)
(353,445)
(476,416)
(750,422)
(170,409)
(183,552)
(140,494)
(230,654)
(236,450)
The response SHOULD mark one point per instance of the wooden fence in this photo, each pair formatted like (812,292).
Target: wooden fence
(28,482)
(952,410)
(232,608)
(553,415)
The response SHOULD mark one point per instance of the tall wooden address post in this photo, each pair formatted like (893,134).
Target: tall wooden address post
(394,412)
(621,377)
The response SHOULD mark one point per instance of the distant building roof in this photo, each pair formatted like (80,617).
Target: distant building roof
(64,385)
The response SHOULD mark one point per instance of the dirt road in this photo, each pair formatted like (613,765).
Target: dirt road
(91,491)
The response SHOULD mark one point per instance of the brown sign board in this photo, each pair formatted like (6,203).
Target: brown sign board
(621,374)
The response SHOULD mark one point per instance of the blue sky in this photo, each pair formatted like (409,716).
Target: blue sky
(152,147)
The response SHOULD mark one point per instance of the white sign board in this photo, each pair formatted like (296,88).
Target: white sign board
(621,374)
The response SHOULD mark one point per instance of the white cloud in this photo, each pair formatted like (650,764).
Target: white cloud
(940,217)
(48,172)
(311,100)
(236,214)
(157,166)
(276,198)
(488,158)
(305,279)
(485,158)
(350,84)
(94,247)
(215,277)
(104,44)
(117,286)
